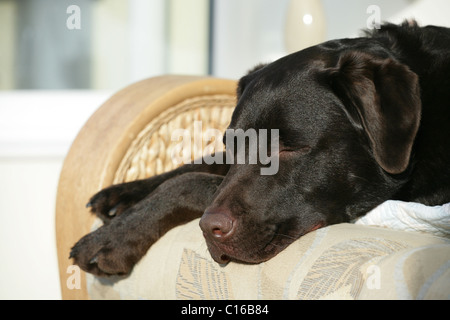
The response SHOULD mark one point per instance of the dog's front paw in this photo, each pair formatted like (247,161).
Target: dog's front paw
(103,254)
(113,201)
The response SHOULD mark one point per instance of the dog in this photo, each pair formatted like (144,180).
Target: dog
(360,121)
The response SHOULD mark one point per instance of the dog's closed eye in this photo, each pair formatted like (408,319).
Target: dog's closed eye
(286,151)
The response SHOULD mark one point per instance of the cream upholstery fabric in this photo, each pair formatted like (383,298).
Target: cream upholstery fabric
(343,261)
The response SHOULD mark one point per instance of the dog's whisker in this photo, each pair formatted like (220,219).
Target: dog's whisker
(286,236)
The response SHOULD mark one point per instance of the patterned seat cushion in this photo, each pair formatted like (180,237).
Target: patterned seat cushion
(345,261)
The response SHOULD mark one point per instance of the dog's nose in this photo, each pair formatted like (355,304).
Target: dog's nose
(217,223)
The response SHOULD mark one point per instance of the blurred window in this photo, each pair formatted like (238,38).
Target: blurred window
(100,44)
(108,44)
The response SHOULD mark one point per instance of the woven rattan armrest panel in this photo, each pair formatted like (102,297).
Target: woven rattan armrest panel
(151,152)
(129,137)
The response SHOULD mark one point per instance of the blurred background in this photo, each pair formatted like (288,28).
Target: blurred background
(61,59)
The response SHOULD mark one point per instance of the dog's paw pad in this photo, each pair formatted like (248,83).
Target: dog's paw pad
(101,255)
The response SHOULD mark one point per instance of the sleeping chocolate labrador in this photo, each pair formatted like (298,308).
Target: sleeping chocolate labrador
(358,122)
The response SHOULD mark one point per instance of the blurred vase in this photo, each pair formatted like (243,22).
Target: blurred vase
(305,24)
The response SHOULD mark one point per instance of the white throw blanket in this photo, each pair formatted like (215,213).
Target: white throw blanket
(410,216)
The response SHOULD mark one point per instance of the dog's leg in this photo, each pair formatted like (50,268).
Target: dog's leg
(115,248)
(113,201)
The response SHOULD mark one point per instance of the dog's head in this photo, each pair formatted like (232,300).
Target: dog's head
(346,114)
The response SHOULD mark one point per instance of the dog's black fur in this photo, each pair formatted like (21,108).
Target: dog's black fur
(361,121)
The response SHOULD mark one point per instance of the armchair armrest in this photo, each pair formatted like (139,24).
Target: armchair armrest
(103,149)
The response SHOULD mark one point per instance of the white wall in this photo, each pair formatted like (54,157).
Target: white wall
(28,268)
(36,131)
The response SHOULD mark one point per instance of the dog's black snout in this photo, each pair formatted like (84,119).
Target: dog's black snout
(217,223)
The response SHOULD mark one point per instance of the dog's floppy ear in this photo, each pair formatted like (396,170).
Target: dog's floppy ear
(382,97)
